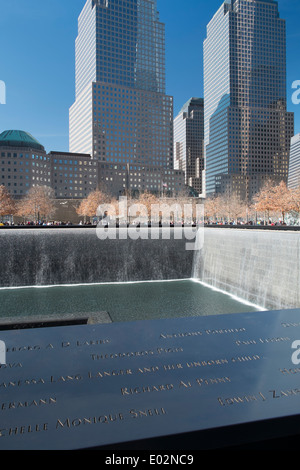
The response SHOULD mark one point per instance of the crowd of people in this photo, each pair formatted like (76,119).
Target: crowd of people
(135,224)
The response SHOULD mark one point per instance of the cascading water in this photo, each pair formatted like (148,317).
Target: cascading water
(39,257)
(71,271)
(261,267)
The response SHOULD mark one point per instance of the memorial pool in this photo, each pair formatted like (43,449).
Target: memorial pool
(123,301)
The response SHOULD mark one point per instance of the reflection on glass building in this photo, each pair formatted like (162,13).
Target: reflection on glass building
(188,143)
(122,115)
(247,126)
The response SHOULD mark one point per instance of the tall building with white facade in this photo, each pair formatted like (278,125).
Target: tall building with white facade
(188,142)
(122,115)
(294,166)
(247,126)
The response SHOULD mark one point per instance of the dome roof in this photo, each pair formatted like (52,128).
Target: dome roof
(19,139)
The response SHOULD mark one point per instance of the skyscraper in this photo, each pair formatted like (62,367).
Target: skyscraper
(122,115)
(247,126)
(188,142)
(294,166)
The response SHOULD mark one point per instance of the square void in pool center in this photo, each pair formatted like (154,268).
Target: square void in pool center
(123,302)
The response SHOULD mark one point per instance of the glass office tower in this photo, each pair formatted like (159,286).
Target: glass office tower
(122,115)
(247,126)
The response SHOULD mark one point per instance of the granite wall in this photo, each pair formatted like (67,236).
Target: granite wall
(259,266)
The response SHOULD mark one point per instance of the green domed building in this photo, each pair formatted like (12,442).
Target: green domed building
(23,162)
(20,139)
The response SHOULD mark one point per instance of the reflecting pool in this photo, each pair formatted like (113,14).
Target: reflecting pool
(123,302)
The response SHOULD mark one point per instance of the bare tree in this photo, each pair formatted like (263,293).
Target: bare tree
(238,208)
(263,201)
(89,205)
(7,204)
(282,201)
(231,207)
(295,199)
(212,208)
(37,204)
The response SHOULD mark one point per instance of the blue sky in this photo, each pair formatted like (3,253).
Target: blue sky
(38,60)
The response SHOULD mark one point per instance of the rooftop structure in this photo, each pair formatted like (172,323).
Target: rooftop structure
(16,138)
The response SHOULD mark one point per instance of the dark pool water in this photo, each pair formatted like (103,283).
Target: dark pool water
(124,302)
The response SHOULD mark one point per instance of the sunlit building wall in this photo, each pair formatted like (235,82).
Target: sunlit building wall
(247,126)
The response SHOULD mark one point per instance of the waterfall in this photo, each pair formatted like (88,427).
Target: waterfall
(261,267)
(40,257)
